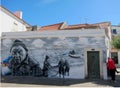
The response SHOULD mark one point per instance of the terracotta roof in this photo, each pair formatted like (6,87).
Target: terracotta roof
(103,24)
(114,50)
(90,26)
(118,36)
(81,26)
(57,26)
(63,26)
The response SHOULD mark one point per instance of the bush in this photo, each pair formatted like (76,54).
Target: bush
(116,43)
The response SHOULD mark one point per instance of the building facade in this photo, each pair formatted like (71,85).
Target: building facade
(114,52)
(76,54)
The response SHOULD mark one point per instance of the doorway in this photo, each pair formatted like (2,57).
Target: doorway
(114,56)
(93,64)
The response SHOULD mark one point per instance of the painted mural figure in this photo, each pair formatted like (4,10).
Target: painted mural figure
(20,59)
(63,67)
(67,67)
(46,67)
(21,63)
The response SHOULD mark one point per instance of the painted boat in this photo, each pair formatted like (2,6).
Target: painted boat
(74,55)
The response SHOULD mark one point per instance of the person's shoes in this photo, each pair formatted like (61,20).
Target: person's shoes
(118,72)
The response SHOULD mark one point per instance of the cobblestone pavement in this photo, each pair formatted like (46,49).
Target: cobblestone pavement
(17,81)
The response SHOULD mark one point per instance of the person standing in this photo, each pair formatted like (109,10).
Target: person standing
(111,68)
(46,67)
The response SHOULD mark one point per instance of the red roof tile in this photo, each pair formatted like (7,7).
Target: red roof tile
(63,26)
(114,50)
(80,26)
(57,26)
(86,26)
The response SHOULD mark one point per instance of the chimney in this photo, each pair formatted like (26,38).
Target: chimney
(18,14)
(34,28)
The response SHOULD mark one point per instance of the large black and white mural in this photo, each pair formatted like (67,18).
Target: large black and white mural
(46,57)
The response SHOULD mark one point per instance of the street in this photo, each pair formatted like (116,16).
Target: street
(25,81)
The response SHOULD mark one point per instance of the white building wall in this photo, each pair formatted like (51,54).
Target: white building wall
(8,23)
(56,43)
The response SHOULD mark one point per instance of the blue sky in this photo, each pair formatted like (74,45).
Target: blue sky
(46,12)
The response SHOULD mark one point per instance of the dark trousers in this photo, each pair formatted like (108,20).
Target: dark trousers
(112,74)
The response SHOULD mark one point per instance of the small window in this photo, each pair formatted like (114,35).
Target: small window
(15,27)
(114,55)
(114,31)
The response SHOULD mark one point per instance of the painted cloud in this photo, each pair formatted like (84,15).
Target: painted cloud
(38,43)
(7,42)
(64,42)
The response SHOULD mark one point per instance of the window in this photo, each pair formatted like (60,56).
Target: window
(114,56)
(114,31)
(15,27)
(15,24)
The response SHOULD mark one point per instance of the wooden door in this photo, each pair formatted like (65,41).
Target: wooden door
(93,64)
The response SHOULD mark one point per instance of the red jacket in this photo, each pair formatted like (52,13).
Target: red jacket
(111,64)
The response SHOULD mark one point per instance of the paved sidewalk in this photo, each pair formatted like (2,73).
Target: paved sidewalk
(16,81)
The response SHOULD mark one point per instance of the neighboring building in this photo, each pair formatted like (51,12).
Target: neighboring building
(12,22)
(114,52)
(57,26)
(115,30)
(86,51)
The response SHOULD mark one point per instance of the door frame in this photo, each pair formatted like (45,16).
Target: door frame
(100,60)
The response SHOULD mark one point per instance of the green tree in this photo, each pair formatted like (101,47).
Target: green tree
(116,43)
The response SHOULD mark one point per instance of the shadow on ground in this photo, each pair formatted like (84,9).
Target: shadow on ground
(57,81)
